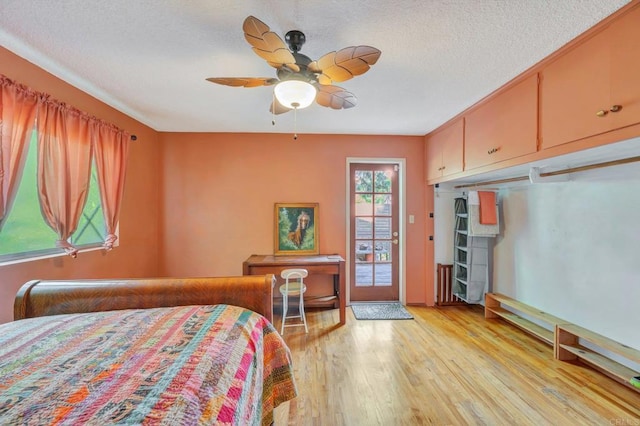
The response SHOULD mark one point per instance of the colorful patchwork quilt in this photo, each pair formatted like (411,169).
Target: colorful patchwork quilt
(176,366)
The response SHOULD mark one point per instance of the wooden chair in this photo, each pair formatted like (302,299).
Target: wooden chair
(293,286)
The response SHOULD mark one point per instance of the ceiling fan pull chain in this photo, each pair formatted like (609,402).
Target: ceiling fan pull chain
(295,123)
(273,108)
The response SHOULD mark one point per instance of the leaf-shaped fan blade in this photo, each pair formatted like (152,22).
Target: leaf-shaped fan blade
(277,108)
(277,59)
(335,97)
(244,81)
(267,44)
(345,64)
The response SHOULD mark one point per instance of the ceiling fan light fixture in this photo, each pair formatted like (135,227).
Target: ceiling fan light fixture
(295,94)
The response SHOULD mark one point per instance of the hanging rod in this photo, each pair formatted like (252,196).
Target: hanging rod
(556,173)
(492,182)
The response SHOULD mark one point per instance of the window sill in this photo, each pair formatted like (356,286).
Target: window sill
(52,255)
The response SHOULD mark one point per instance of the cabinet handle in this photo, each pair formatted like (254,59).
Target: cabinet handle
(601,113)
(615,108)
(493,150)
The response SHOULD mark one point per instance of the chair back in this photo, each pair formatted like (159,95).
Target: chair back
(293,274)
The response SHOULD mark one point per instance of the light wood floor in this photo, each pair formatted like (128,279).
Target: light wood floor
(449,366)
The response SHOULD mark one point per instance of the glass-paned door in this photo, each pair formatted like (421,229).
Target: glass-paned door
(374,232)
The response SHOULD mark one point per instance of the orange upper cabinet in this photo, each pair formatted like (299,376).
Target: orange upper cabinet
(504,127)
(444,151)
(625,69)
(595,87)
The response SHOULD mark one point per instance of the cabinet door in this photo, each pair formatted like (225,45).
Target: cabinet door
(433,157)
(503,128)
(624,36)
(452,149)
(573,89)
(444,151)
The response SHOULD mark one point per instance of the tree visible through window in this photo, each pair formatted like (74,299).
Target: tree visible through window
(26,234)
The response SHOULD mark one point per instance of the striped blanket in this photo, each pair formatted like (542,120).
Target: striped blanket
(176,366)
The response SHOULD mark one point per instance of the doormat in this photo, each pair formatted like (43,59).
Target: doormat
(380,311)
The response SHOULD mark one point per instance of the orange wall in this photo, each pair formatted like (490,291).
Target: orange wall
(219,192)
(139,220)
(199,204)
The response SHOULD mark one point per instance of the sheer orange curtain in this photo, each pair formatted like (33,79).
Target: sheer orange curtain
(17,115)
(64,167)
(111,148)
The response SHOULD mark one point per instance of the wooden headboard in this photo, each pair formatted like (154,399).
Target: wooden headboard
(40,298)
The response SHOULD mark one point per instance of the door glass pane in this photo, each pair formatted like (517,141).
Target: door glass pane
(383,251)
(383,228)
(383,181)
(364,274)
(364,251)
(383,205)
(364,205)
(383,274)
(364,228)
(364,181)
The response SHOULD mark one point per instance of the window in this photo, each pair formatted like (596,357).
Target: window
(26,234)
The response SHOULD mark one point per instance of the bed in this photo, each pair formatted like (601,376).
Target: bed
(144,351)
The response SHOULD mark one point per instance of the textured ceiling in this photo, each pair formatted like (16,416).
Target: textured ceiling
(149,58)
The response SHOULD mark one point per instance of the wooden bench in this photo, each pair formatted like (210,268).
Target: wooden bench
(567,348)
(493,303)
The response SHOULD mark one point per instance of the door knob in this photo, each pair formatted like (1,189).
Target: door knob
(395,241)
(615,108)
(601,113)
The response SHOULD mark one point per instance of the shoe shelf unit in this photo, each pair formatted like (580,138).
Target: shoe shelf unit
(567,339)
(493,308)
(568,348)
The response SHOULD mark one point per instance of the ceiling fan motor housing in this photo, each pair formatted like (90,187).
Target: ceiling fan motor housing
(304,74)
(295,39)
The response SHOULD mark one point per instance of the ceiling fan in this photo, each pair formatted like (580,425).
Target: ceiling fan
(300,80)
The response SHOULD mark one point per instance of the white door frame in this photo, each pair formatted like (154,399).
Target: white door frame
(401,209)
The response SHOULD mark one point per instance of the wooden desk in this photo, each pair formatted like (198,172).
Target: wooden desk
(259,264)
